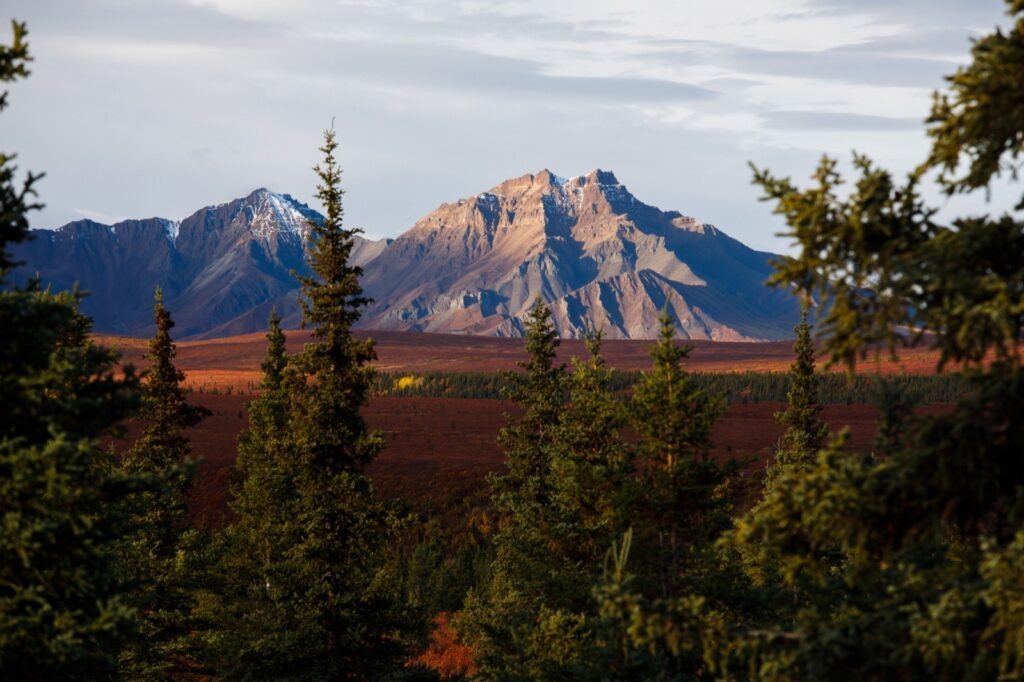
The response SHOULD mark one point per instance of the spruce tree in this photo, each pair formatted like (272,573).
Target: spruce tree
(252,622)
(562,504)
(909,564)
(540,392)
(276,360)
(15,201)
(159,555)
(166,413)
(591,468)
(64,609)
(509,602)
(346,531)
(805,432)
(309,588)
(682,504)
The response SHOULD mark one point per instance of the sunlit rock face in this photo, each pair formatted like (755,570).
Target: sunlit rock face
(600,257)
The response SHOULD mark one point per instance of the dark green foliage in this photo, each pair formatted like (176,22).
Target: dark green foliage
(541,393)
(895,416)
(437,566)
(805,432)
(64,609)
(538,617)
(166,413)
(15,201)
(252,625)
(276,360)
(507,608)
(590,477)
(902,559)
(308,595)
(978,121)
(903,563)
(564,500)
(682,504)
(162,554)
(263,464)
(337,364)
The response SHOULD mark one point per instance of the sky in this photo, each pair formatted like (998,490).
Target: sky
(141,108)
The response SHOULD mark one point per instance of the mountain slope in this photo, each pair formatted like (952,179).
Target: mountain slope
(221,269)
(599,256)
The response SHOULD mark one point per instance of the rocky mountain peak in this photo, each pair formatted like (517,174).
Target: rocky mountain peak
(270,213)
(588,247)
(598,255)
(602,177)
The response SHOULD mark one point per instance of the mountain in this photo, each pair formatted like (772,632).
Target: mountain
(598,255)
(587,246)
(221,269)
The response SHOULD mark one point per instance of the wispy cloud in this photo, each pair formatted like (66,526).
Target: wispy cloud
(138,108)
(833,120)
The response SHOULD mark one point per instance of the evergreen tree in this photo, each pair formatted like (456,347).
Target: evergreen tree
(591,468)
(561,509)
(345,530)
(165,414)
(308,588)
(15,202)
(805,432)
(682,502)
(509,603)
(522,495)
(276,360)
(162,553)
(64,610)
(668,561)
(540,392)
(252,623)
(923,545)
(337,364)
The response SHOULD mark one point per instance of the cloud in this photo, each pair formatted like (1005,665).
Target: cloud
(834,120)
(161,106)
(154,21)
(864,63)
(438,67)
(849,66)
(943,42)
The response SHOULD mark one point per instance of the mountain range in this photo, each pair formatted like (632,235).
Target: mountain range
(600,257)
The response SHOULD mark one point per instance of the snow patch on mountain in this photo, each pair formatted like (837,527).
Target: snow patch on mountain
(273,213)
(171,229)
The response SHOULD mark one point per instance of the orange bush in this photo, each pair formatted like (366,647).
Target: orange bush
(446,655)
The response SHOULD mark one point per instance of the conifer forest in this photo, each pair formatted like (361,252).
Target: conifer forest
(615,543)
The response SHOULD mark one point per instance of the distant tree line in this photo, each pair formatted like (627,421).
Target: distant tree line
(735,387)
(613,545)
